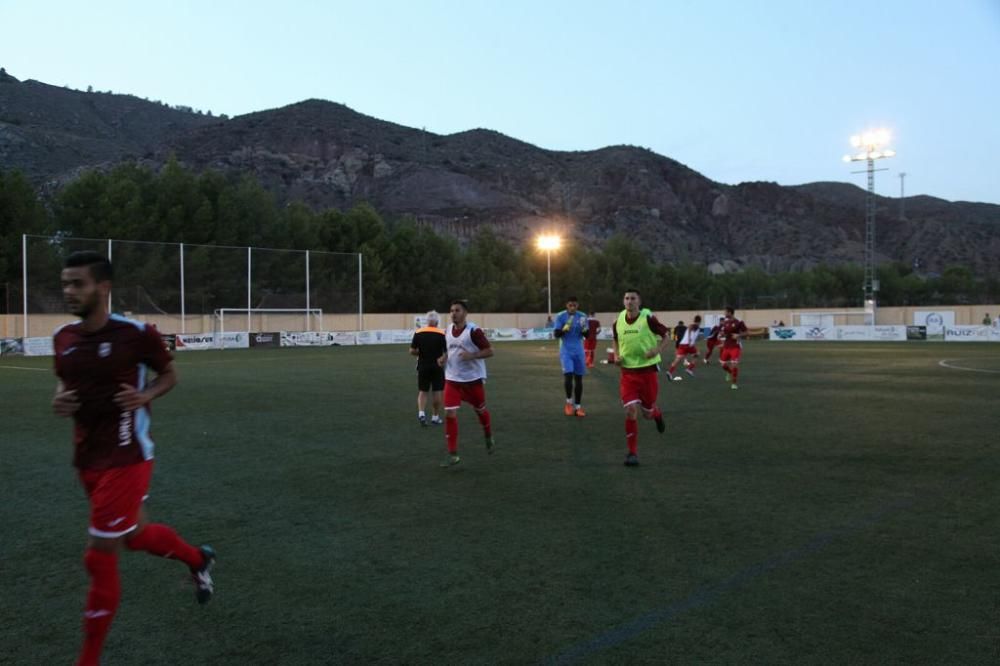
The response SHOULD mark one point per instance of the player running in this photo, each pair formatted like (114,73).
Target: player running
(102,362)
(465,373)
(590,342)
(731,335)
(428,345)
(687,346)
(712,341)
(570,327)
(637,350)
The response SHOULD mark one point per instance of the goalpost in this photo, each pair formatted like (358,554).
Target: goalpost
(312,316)
(829,319)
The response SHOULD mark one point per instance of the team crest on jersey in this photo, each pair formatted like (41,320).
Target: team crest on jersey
(104,350)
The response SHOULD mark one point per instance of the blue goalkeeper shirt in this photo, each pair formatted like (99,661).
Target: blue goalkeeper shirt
(571,337)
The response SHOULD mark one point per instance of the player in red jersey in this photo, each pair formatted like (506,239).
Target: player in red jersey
(732,332)
(464,373)
(687,346)
(712,341)
(590,341)
(102,363)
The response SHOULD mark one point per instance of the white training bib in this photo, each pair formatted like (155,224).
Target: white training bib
(457,370)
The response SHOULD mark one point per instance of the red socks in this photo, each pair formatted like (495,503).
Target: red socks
(735,372)
(102,602)
(484,420)
(163,541)
(451,434)
(632,435)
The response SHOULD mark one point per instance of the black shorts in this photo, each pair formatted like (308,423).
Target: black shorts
(430,379)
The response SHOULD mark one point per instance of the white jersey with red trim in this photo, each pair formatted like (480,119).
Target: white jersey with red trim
(457,369)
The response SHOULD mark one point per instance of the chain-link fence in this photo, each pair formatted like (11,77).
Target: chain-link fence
(185,281)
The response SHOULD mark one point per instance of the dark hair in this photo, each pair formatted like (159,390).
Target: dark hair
(633,291)
(572,299)
(730,310)
(100,267)
(697,319)
(461,301)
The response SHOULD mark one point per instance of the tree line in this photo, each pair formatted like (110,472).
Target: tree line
(408,267)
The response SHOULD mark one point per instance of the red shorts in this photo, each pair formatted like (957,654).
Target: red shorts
(641,387)
(712,344)
(455,393)
(730,354)
(686,350)
(116,496)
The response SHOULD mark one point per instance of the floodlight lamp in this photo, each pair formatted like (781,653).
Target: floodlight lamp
(549,242)
(856,141)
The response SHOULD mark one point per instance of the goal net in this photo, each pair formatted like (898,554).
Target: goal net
(265,319)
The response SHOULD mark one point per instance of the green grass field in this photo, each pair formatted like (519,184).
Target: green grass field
(842,507)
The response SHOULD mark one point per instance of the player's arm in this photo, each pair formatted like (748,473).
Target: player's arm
(64,402)
(482,344)
(129,397)
(614,344)
(660,330)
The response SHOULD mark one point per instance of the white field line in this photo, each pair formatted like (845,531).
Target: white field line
(21,367)
(946,363)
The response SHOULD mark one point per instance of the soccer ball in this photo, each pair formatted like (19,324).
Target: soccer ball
(678,379)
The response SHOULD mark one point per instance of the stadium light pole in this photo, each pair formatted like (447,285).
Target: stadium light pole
(549,243)
(871,145)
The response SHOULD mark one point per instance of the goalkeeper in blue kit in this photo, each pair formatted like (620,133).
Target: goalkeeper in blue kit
(570,327)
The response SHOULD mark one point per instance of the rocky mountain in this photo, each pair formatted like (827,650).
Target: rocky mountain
(326,154)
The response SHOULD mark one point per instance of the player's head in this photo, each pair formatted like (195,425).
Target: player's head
(730,313)
(86,282)
(433,318)
(697,321)
(632,300)
(572,304)
(459,310)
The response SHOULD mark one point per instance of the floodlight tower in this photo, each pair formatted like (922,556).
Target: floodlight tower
(871,146)
(902,196)
(548,243)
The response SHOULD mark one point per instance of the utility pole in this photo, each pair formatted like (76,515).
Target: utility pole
(902,196)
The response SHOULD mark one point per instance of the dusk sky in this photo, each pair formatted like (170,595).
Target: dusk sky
(739,91)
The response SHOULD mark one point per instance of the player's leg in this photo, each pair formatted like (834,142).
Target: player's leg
(423,386)
(677,358)
(115,500)
(437,399)
(568,389)
(163,541)
(631,398)
(101,562)
(579,370)
(476,396)
(735,368)
(452,401)
(566,363)
(649,392)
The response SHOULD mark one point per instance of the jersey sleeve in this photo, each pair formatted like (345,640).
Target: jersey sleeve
(154,351)
(478,338)
(657,327)
(413,342)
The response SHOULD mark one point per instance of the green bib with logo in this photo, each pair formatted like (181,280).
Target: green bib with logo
(635,339)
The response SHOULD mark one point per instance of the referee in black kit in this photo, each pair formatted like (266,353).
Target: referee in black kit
(428,346)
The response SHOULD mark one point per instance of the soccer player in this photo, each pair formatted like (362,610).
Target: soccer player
(590,342)
(428,346)
(637,350)
(732,346)
(678,333)
(687,347)
(712,341)
(102,363)
(464,373)
(569,327)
